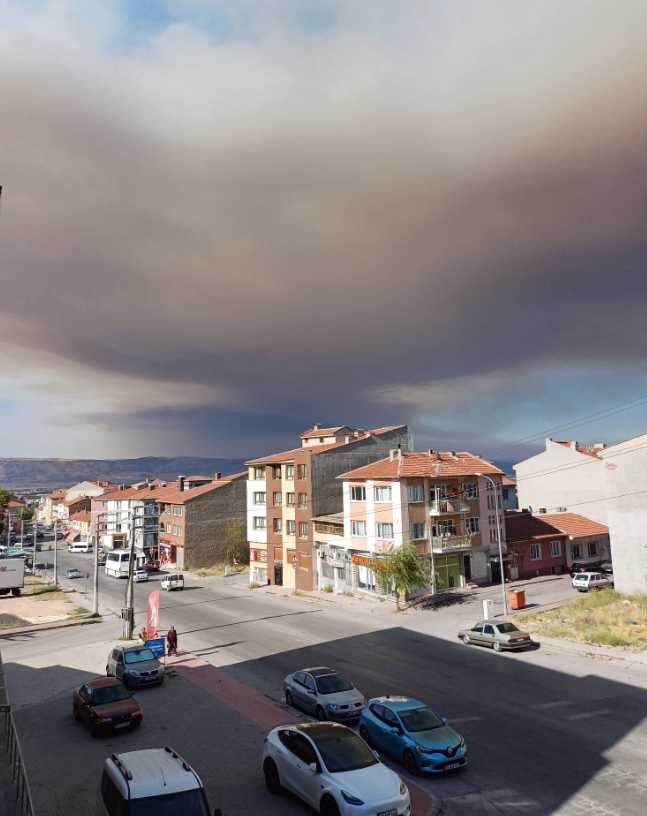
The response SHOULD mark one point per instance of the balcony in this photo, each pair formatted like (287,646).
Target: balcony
(445,507)
(451,543)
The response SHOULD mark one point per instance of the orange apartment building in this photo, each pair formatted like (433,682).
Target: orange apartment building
(287,490)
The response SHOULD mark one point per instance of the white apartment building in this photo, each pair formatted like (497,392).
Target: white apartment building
(124,515)
(257,524)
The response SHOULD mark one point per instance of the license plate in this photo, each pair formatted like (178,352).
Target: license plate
(392,812)
(122,725)
(451,765)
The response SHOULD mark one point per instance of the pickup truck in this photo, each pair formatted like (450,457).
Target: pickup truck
(12,575)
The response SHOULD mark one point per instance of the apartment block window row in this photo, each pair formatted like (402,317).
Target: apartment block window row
(472,525)
(276,472)
(303,499)
(556,549)
(259,472)
(415,493)
(277,499)
(258,523)
(358,493)
(303,529)
(171,529)
(289,471)
(384,529)
(443,528)
(418,530)
(471,491)
(382,493)
(277,525)
(259,498)
(290,527)
(535,552)
(358,528)
(302,471)
(291,499)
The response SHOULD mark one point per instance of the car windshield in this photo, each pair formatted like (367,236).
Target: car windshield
(343,750)
(188,803)
(420,719)
(506,628)
(332,684)
(138,656)
(109,694)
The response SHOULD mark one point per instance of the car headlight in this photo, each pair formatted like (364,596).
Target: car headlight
(106,719)
(422,750)
(403,789)
(352,800)
(462,742)
(332,706)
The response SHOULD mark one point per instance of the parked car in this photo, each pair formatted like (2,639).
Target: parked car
(584,566)
(104,705)
(140,575)
(585,581)
(412,733)
(607,568)
(73,572)
(333,770)
(154,780)
(324,693)
(152,566)
(499,635)
(135,665)
(173,581)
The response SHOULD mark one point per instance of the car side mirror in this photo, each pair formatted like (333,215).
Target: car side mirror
(444,719)
(313,767)
(396,731)
(376,755)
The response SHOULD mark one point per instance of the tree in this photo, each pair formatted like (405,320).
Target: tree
(401,571)
(235,550)
(26,514)
(4,500)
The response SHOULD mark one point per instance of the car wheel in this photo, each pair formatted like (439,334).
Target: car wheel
(466,640)
(320,714)
(363,732)
(329,807)
(272,780)
(496,646)
(409,762)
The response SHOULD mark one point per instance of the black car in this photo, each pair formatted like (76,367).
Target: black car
(584,566)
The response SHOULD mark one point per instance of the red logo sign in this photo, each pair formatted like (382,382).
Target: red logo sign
(153,618)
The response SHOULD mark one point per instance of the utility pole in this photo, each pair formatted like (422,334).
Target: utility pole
(95,588)
(8,529)
(436,490)
(55,552)
(34,525)
(128,613)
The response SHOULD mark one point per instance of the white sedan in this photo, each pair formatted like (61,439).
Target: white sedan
(333,770)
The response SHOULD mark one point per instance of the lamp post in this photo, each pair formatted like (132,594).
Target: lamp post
(498,536)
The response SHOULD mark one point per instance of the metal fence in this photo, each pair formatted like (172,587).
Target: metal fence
(18,773)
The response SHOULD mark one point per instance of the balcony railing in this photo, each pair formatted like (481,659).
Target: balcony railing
(445,507)
(451,543)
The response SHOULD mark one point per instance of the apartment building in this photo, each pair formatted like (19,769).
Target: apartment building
(437,500)
(286,490)
(58,504)
(128,514)
(80,525)
(198,523)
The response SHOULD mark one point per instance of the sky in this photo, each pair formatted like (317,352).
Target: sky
(224,220)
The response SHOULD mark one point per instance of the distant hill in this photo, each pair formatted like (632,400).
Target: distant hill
(24,473)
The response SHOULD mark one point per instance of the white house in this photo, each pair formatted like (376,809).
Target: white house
(565,477)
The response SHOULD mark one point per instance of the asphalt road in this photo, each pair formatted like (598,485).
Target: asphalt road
(547,732)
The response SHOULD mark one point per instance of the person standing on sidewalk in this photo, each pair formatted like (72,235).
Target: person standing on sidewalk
(171,641)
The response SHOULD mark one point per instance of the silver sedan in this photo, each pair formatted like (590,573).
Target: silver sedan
(325,693)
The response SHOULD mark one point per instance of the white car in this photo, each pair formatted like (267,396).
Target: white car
(174,581)
(584,581)
(333,770)
(140,575)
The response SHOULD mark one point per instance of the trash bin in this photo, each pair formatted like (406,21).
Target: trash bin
(516,598)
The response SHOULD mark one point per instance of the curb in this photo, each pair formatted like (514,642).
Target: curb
(40,627)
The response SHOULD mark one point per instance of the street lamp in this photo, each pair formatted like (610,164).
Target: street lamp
(498,535)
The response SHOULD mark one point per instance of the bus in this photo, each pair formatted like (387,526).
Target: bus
(118,563)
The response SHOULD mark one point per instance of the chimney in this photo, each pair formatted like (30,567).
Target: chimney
(431,451)
(316,426)
(346,439)
(217,475)
(395,453)
(151,486)
(355,434)
(180,482)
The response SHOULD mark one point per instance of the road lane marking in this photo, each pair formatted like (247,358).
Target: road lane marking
(555,704)
(585,715)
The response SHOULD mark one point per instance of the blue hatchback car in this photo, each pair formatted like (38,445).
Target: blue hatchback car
(411,732)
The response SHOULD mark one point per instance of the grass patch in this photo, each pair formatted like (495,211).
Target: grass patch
(79,612)
(47,594)
(603,618)
(327,588)
(218,570)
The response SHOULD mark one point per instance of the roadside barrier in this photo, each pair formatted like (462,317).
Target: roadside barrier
(11,745)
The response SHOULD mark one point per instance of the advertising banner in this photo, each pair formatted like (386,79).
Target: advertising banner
(153,618)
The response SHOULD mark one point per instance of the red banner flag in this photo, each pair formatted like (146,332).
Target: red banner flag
(153,619)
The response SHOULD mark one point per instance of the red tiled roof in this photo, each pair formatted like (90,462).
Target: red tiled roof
(587,450)
(574,525)
(15,503)
(57,494)
(72,502)
(523,526)
(439,464)
(288,456)
(315,432)
(175,496)
(198,478)
(506,481)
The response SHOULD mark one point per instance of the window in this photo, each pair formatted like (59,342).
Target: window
(535,552)
(276,498)
(491,505)
(289,471)
(382,493)
(277,525)
(290,525)
(259,498)
(414,493)
(471,490)
(276,471)
(358,528)
(303,499)
(575,549)
(444,528)
(593,548)
(302,747)
(472,525)
(488,630)
(418,530)
(302,471)
(384,529)
(259,473)
(437,492)
(358,493)
(308,682)
(556,548)
(291,499)
(303,529)
(259,522)
(177,511)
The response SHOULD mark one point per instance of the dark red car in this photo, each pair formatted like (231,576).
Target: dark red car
(106,705)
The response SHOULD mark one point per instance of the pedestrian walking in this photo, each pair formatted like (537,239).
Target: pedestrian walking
(171,641)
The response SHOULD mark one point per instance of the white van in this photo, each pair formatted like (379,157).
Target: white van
(585,581)
(80,547)
(118,563)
